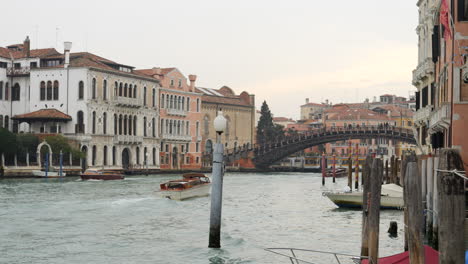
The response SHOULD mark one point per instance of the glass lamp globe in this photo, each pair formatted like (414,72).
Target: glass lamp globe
(220,123)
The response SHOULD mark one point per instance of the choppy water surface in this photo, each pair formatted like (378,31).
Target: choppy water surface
(74,221)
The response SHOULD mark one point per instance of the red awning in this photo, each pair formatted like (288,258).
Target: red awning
(431,257)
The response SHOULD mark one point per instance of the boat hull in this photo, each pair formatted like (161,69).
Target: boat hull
(50,174)
(354,200)
(109,177)
(196,191)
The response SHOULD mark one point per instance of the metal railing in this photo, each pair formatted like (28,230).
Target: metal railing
(12,71)
(128,139)
(127,101)
(294,259)
(177,137)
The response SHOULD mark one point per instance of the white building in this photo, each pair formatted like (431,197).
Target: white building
(110,111)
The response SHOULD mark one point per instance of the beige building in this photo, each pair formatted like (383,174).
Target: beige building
(312,110)
(239,110)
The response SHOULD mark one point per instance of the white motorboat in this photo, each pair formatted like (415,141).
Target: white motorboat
(50,174)
(391,198)
(192,185)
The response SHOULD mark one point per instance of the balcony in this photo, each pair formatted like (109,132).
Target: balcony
(78,137)
(176,112)
(128,139)
(423,70)
(128,102)
(18,72)
(199,138)
(187,138)
(422,115)
(440,118)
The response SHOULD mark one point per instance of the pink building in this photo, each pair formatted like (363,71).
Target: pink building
(180,117)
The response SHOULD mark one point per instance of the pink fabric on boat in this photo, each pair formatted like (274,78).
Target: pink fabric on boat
(431,256)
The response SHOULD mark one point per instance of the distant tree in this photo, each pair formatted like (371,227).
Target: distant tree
(26,143)
(59,143)
(267,131)
(7,142)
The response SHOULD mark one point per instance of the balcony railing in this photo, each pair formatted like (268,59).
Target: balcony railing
(128,139)
(22,71)
(424,68)
(440,118)
(177,137)
(422,115)
(176,112)
(128,102)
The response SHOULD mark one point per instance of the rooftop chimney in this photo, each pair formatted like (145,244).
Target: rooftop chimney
(192,79)
(27,47)
(157,72)
(67,45)
(307,100)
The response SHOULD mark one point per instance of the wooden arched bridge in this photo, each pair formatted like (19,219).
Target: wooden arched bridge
(267,154)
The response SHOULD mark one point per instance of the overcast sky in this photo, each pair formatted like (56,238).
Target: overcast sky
(281,51)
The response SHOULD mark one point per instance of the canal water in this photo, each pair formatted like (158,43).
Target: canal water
(74,221)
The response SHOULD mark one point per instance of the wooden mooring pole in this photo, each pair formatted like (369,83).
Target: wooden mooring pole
(334,168)
(413,200)
(386,171)
(375,189)
(356,168)
(350,173)
(366,172)
(451,208)
(429,198)
(392,168)
(323,169)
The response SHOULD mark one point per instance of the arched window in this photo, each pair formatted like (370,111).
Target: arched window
(79,122)
(188,104)
(15,92)
(1,92)
(197,128)
(120,124)
(162,101)
(56,90)
(167,126)
(81,90)
(144,95)
(125,125)
(182,107)
(93,158)
(104,162)
(104,90)
(162,126)
(167,101)
(49,90)
(134,125)
(42,91)
(93,88)
(154,97)
(115,125)
(198,105)
(137,155)
(135,91)
(113,155)
(154,126)
(7,91)
(206,125)
(94,122)
(130,88)
(154,156)
(116,89)
(170,127)
(1,121)
(179,102)
(178,127)
(145,155)
(209,146)
(187,125)
(125,90)
(104,123)
(130,124)
(144,126)
(120,89)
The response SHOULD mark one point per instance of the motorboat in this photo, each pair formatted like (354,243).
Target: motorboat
(48,174)
(191,185)
(391,198)
(339,172)
(104,175)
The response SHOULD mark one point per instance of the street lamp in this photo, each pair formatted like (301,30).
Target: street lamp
(220,125)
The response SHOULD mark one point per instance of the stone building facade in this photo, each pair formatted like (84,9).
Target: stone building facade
(114,111)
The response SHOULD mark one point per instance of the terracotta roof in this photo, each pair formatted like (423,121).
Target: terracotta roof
(47,114)
(4,53)
(35,53)
(282,119)
(314,104)
(356,114)
(396,110)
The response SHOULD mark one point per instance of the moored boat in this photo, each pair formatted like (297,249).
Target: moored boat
(104,175)
(339,172)
(391,198)
(192,185)
(49,174)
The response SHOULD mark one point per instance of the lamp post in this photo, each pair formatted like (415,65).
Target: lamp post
(220,124)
